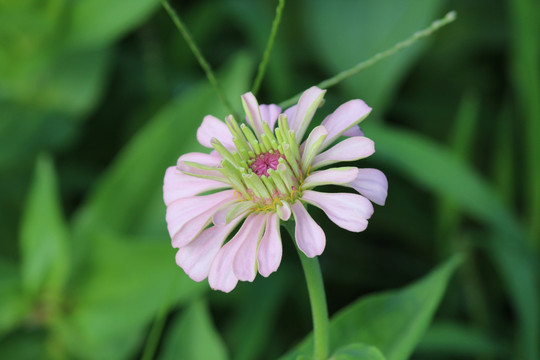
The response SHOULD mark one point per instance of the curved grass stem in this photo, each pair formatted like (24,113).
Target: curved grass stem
(436,25)
(262,66)
(198,55)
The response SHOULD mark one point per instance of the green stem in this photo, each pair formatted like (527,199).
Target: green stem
(198,55)
(448,18)
(268,50)
(317,298)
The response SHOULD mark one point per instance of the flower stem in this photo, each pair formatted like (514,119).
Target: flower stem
(198,55)
(269,46)
(451,16)
(317,298)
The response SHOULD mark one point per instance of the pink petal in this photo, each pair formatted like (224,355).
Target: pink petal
(307,105)
(251,107)
(350,149)
(353,131)
(270,249)
(284,211)
(219,217)
(312,146)
(191,228)
(331,176)
(371,183)
(345,116)
(197,256)
(177,185)
(181,211)
(200,158)
(240,207)
(349,211)
(221,276)
(269,114)
(212,127)
(203,159)
(290,113)
(245,260)
(309,235)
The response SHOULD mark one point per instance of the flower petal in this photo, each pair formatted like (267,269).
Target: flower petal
(200,158)
(270,249)
(191,228)
(181,211)
(269,114)
(251,107)
(349,211)
(350,149)
(312,145)
(343,175)
(245,260)
(230,212)
(353,131)
(221,276)
(371,183)
(201,165)
(212,127)
(290,113)
(307,105)
(197,256)
(284,211)
(309,235)
(177,185)
(344,117)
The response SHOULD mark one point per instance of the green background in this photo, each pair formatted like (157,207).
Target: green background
(98,97)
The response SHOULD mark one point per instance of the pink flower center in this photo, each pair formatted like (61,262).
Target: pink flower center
(263,162)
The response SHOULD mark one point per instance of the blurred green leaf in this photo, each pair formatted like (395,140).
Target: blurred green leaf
(97,23)
(68,83)
(254,320)
(24,132)
(357,352)
(193,336)
(504,164)
(519,271)
(434,167)
(36,69)
(119,294)
(394,322)
(29,35)
(525,70)
(27,344)
(71,84)
(44,235)
(14,305)
(129,195)
(365,28)
(465,125)
(459,340)
(461,143)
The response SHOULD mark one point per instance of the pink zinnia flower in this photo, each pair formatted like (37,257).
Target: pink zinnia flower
(263,173)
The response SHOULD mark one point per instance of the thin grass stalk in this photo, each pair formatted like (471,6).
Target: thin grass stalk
(269,46)
(198,55)
(436,25)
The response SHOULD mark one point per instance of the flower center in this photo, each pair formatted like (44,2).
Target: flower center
(263,162)
(265,167)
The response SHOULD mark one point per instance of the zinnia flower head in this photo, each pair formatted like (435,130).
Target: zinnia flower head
(261,173)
